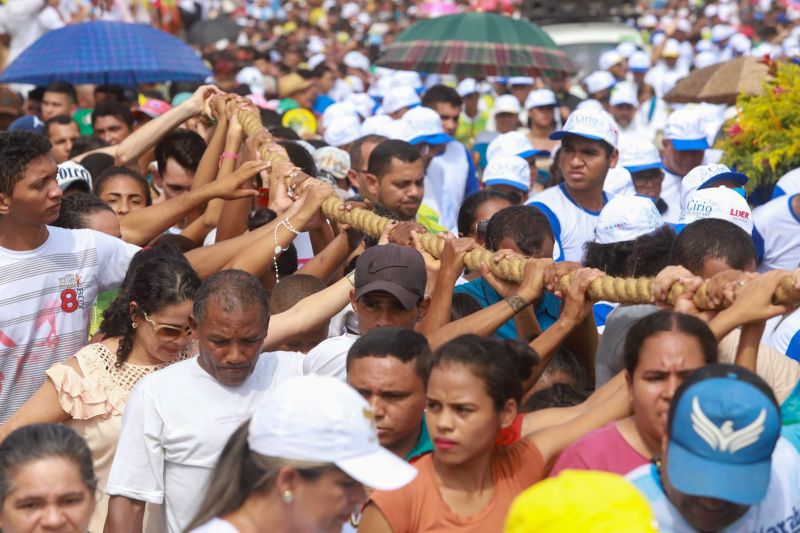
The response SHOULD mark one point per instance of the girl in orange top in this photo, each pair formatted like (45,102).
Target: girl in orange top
(467,484)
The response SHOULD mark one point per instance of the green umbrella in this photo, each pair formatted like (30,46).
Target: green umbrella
(477,44)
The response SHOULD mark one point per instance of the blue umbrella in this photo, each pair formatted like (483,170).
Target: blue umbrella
(106,53)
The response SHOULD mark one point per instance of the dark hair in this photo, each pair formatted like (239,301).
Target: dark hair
(647,174)
(87,143)
(380,160)
(112,108)
(301,157)
(712,238)
(461,305)
(287,261)
(62,87)
(231,289)
(284,133)
(441,93)
(114,90)
(557,395)
(113,172)
(270,118)
(76,207)
(526,225)
(564,361)
(36,94)
(17,150)
(355,149)
(291,289)
(667,321)
(182,243)
(184,146)
(404,344)
(64,120)
(466,213)
(156,277)
(645,255)
(42,441)
(501,365)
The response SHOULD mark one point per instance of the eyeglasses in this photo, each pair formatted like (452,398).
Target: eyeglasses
(167,332)
(480,228)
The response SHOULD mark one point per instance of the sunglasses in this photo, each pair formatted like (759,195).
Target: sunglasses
(167,332)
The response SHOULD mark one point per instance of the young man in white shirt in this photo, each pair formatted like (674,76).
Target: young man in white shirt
(50,276)
(177,422)
(588,150)
(724,466)
(684,145)
(775,234)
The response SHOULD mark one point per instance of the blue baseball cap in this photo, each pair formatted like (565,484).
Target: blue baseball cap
(724,423)
(427,126)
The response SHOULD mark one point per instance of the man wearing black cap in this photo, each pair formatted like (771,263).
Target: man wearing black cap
(389,290)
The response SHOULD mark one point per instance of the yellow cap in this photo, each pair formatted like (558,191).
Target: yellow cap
(581,500)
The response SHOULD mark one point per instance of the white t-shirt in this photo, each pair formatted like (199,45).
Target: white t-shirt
(572,225)
(175,425)
(776,512)
(329,358)
(215,525)
(788,184)
(786,336)
(446,178)
(46,298)
(776,235)
(671,194)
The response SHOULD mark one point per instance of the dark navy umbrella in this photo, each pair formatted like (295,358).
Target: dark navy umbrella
(106,53)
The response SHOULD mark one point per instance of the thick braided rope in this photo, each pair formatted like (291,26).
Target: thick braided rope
(610,289)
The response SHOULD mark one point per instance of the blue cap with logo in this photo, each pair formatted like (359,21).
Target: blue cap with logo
(724,423)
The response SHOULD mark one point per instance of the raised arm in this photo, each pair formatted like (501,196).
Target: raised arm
(41,408)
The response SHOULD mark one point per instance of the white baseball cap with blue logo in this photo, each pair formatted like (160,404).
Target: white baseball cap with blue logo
(513,143)
(639,155)
(718,202)
(685,130)
(590,124)
(509,170)
(624,218)
(704,176)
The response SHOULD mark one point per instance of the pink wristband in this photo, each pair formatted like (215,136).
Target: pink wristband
(226,155)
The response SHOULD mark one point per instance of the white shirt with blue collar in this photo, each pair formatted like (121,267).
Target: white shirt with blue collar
(776,236)
(572,224)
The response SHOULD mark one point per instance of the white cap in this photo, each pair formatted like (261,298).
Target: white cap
(625,218)
(619,182)
(380,87)
(71,173)
(672,48)
(356,60)
(648,21)
(719,202)
(626,48)
(610,58)
(336,111)
(408,78)
(253,78)
(599,80)
(512,143)
(350,10)
(684,25)
(591,124)
(342,130)
(315,60)
(639,61)
(520,80)
(316,45)
(624,93)
(321,419)
(590,103)
(541,98)
(375,124)
(740,43)
(397,129)
(362,102)
(710,11)
(704,45)
(509,170)
(399,97)
(685,130)
(720,32)
(766,49)
(639,155)
(705,59)
(332,160)
(427,126)
(507,103)
(704,176)
(466,87)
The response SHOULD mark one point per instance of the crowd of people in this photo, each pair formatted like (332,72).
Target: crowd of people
(189,343)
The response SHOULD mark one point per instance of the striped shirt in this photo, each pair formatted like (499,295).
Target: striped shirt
(46,297)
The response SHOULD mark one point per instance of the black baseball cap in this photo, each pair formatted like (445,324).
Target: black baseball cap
(395,269)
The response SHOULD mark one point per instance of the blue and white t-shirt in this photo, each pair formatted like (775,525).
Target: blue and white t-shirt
(776,235)
(778,511)
(671,194)
(786,336)
(572,225)
(788,184)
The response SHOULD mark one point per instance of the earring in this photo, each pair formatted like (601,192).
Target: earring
(134,325)
(287,496)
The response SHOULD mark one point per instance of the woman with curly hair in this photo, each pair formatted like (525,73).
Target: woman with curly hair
(145,329)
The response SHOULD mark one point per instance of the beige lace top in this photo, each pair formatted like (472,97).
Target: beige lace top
(96,401)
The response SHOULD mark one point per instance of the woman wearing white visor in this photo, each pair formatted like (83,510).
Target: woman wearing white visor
(300,464)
